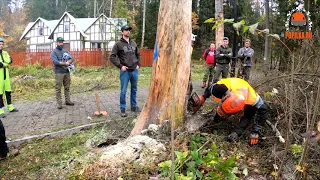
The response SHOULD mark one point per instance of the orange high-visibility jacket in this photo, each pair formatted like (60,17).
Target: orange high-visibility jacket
(241,86)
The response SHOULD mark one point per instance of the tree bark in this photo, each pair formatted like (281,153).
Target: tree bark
(158,106)
(143,22)
(110,9)
(219,17)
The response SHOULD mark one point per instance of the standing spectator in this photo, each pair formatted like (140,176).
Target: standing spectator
(208,56)
(3,145)
(62,60)
(126,57)
(223,57)
(5,85)
(245,55)
(4,150)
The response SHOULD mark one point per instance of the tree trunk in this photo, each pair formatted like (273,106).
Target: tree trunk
(158,106)
(266,46)
(219,17)
(110,8)
(143,22)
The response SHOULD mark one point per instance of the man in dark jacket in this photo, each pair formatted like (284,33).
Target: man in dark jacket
(126,57)
(223,58)
(3,145)
(62,60)
(245,55)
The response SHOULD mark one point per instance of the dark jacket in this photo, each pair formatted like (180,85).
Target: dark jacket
(125,54)
(59,58)
(227,55)
(3,145)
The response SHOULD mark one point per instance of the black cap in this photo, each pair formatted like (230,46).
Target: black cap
(226,38)
(219,90)
(126,27)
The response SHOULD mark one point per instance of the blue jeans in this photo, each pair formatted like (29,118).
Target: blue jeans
(125,77)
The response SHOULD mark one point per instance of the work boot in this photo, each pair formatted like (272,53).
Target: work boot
(2,113)
(135,109)
(69,103)
(233,137)
(11,108)
(204,84)
(123,113)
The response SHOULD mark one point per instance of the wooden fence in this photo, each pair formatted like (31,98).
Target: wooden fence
(85,57)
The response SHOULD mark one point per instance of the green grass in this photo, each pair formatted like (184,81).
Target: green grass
(84,80)
(55,158)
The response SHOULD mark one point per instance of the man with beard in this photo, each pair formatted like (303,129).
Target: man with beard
(62,60)
(126,57)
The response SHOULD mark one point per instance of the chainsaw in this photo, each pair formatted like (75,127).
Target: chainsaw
(194,103)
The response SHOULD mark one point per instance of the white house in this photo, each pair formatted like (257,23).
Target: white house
(78,33)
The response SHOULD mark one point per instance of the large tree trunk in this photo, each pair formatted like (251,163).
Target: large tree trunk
(219,17)
(158,106)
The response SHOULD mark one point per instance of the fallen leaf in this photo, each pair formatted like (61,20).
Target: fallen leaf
(245,172)
(300,168)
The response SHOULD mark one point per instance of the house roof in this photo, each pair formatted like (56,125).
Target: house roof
(85,23)
(82,24)
(76,23)
(108,19)
(50,24)
(26,30)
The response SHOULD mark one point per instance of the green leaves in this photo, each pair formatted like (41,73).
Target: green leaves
(211,20)
(275,36)
(228,20)
(238,25)
(197,164)
(253,28)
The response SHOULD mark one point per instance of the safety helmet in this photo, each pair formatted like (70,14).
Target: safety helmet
(1,40)
(231,104)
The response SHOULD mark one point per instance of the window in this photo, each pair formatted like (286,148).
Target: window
(66,27)
(40,31)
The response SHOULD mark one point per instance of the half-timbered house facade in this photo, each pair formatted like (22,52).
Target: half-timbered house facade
(78,33)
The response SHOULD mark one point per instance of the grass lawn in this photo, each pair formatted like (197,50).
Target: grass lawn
(40,82)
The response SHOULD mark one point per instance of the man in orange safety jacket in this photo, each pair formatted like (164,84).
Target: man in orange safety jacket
(235,95)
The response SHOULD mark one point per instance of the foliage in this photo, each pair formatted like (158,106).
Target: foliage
(296,150)
(57,158)
(194,164)
(194,21)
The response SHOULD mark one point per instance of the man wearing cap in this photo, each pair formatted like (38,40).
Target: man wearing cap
(126,57)
(5,85)
(62,59)
(223,58)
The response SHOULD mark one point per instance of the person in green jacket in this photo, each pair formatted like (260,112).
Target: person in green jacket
(5,86)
